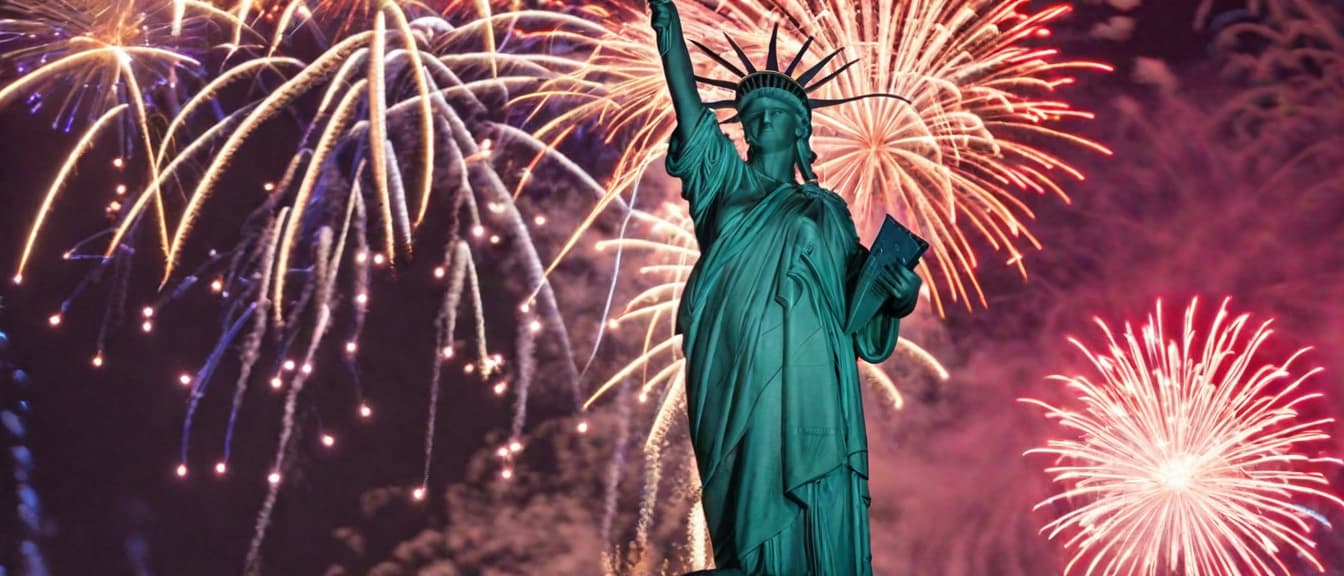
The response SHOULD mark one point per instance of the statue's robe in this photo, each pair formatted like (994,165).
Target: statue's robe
(772,385)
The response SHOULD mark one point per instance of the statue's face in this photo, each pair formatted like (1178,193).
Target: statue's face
(771,125)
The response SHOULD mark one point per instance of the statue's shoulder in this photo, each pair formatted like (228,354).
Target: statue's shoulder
(836,206)
(830,196)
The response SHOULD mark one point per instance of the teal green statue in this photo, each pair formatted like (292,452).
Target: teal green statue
(772,385)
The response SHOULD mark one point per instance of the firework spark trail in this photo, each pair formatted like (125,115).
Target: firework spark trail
(612,481)
(459,259)
(249,352)
(359,282)
(426,125)
(84,143)
(152,191)
(474,288)
(1187,457)
(121,270)
(697,530)
(201,380)
(377,85)
(610,299)
(525,348)
(539,288)
(674,403)
(445,324)
(325,263)
(344,111)
(272,105)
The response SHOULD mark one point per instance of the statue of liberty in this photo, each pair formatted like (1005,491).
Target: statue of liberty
(773,398)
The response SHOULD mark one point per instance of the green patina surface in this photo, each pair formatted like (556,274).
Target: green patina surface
(773,397)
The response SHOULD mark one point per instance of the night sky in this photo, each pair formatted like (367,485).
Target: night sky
(105,441)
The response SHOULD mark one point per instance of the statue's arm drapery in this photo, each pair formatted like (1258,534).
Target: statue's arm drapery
(707,163)
(677,68)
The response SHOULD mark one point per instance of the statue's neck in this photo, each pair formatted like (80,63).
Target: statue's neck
(778,165)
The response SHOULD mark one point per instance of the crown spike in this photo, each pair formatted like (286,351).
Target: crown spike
(807,76)
(773,78)
(746,62)
(725,84)
(815,103)
(772,55)
(831,76)
(720,59)
(798,57)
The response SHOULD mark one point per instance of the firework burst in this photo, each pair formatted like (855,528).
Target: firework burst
(1187,458)
(107,65)
(342,208)
(83,57)
(953,165)
(978,134)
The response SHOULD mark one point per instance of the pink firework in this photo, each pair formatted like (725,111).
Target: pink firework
(1184,458)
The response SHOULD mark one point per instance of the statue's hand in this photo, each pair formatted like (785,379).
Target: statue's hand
(902,286)
(661,13)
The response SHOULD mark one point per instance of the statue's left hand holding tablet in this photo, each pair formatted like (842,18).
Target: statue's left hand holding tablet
(902,286)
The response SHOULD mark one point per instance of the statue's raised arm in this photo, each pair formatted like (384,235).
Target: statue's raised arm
(676,66)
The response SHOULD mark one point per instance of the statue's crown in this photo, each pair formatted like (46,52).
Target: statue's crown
(753,79)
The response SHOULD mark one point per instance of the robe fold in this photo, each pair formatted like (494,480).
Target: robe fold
(773,399)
